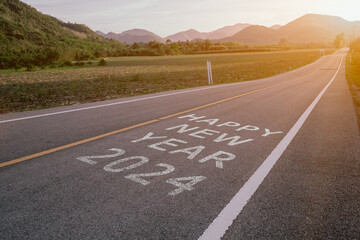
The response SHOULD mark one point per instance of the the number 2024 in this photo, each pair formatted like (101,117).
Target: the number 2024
(182,183)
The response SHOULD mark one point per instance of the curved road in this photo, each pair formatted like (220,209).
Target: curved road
(276,158)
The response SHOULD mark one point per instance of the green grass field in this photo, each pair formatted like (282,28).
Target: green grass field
(130,76)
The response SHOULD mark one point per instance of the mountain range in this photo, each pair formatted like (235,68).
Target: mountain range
(309,28)
(192,34)
(142,35)
(131,36)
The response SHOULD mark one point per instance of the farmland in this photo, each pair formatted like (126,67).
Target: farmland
(130,76)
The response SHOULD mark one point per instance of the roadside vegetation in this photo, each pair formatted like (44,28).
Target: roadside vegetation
(31,39)
(353,73)
(353,67)
(130,76)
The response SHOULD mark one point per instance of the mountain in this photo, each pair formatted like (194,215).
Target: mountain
(255,35)
(186,35)
(28,38)
(315,28)
(141,35)
(276,26)
(101,33)
(310,28)
(192,34)
(226,31)
(131,36)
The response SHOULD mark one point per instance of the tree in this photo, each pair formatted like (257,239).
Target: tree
(339,40)
(207,44)
(135,45)
(175,48)
(283,42)
(355,45)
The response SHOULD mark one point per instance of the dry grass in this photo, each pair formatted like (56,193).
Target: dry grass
(353,78)
(129,76)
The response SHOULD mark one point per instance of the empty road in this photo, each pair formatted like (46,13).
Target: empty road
(276,158)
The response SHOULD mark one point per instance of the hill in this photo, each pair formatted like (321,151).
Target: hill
(30,38)
(188,35)
(192,34)
(142,35)
(131,36)
(226,31)
(310,28)
(315,28)
(276,26)
(255,35)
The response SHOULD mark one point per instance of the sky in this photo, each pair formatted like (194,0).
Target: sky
(167,17)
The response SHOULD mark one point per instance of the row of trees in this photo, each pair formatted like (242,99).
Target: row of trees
(77,50)
(155,48)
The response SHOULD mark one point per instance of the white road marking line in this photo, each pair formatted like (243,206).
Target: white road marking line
(224,220)
(152,97)
(100,106)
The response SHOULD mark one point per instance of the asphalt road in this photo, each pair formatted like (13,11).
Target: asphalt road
(276,158)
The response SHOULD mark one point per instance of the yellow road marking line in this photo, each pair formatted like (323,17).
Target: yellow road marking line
(73,144)
(231,98)
(220,101)
(11,162)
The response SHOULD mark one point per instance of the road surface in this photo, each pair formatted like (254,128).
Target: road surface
(276,158)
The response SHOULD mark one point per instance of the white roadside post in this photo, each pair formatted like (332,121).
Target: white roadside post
(209,72)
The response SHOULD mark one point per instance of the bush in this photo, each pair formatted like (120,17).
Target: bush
(68,63)
(102,62)
(30,68)
(79,64)
(353,68)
